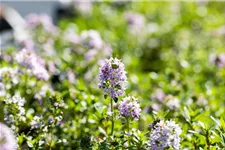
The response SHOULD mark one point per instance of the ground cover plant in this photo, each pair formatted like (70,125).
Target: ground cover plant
(117,75)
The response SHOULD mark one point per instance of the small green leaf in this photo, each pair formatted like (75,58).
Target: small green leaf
(40,143)
(115,99)
(101,130)
(118,86)
(29,144)
(201,124)
(215,120)
(115,66)
(192,131)
(105,96)
(186,114)
(223,138)
(222,123)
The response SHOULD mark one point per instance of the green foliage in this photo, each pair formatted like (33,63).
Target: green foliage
(170,54)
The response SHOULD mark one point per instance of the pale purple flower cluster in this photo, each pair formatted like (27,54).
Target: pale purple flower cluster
(35,20)
(71,76)
(7,138)
(165,134)
(112,77)
(130,107)
(172,102)
(26,58)
(158,95)
(92,40)
(136,21)
(84,7)
(218,60)
(34,63)
(42,93)
(28,44)
(71,36)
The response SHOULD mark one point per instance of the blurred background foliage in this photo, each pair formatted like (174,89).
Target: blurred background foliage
(168,53)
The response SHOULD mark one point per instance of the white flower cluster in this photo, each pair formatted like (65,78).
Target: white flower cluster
(2,90)
(36,122)
(14,109)
(12,73)
(165,134)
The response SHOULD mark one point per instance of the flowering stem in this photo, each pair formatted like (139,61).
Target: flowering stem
(128,129)
(112,119)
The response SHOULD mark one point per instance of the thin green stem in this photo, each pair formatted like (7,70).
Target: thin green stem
(128,129)
(112,118)
(128,126)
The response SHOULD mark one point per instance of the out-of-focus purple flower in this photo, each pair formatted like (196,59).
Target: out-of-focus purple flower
(130,107)
(28,44)
(218,60)
(219,32)
(47,22)
(107,50)
(91,54)
(202,101)
(172,102)
(42,93)
(84,7)
(136,21)
(165,134)
(71,76)
(155,107)
(40,72)
(98,54)
(26,58)
(34,63)
(159,95)
(51,67)
(32,20)
(134,18)
(48,47)
(35,20)
(94,48)
(72,37)
(7,138)
(91,39)
(202,2)
(112,77)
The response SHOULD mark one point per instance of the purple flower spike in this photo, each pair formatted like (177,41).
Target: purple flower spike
(112,77)
(130,107)
(165,134)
